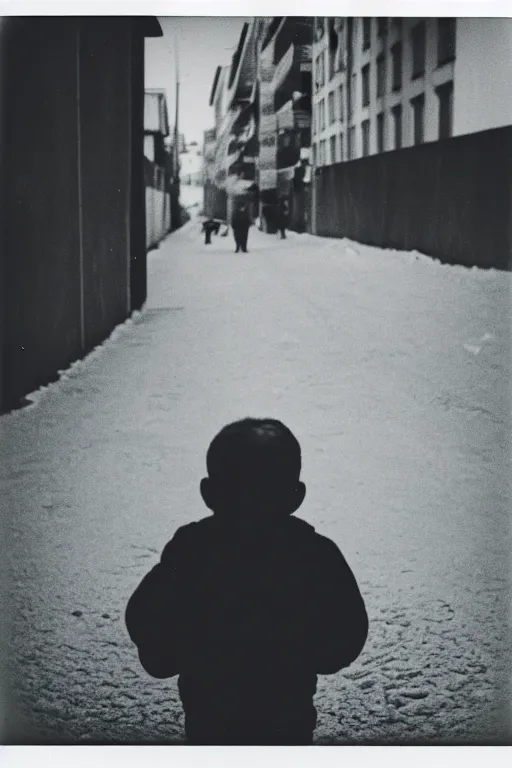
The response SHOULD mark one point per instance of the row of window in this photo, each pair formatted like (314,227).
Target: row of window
(445,126)
(336,110)
(336,105)
(445,53)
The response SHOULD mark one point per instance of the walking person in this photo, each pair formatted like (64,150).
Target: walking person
(241,222)
(282,217)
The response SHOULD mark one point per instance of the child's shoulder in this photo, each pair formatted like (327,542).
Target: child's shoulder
(318,541)
(189,535)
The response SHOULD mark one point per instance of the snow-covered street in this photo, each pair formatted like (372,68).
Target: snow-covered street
(392,370)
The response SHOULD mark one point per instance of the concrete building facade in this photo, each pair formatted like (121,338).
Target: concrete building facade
(191,165)
(382,84)
(482,99)
(262,106)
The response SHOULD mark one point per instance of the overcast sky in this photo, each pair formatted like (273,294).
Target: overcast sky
(204,44)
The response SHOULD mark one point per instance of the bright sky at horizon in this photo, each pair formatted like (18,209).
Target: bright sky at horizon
(204,43)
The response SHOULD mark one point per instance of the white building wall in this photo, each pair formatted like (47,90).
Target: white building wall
(191,166)
(149,147)
(433,77)
(483,75)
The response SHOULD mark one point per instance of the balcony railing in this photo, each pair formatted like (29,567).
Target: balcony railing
(283,68)
(267,178)
(295,29)
(294,115)
(291,73)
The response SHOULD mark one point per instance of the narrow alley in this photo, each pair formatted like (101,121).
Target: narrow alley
(391,369)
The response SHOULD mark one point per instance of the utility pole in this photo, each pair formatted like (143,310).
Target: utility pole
(385,94)
(176,119)
(175,199)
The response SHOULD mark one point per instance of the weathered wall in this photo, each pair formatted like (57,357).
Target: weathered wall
(41,203)
(67,189)
(450,199)
(105,54)
(482,91)
(158,206)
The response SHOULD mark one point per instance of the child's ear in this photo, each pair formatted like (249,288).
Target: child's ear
(299,494)
(207,493)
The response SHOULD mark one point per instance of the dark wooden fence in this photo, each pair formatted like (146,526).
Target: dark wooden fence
(73,234)
(449,199)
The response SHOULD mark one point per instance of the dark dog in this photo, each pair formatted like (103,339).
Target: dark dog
(210,226)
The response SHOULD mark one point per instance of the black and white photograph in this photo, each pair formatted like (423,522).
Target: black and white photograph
(255,367)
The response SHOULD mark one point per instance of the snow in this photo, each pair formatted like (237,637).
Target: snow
(393,372)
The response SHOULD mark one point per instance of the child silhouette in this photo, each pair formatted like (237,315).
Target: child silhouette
(249,605)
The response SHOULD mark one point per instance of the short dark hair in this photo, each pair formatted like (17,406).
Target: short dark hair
(254,450)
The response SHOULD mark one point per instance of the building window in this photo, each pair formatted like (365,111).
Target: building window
(322,152)
(418,49)
(353,42)
(332,64)
(396,54)
(397,126)
(333,149)
(445,96)
(380,132)
(382,27)
(332,114)
(445,40)
(342,105)
(340,56)
(418,118)
(320,71)
(365,79)
(319,27)
(314,155)
(397,24)
(353,94)
(365,133)
(351,138)
(322,115)
(341,148)
(381,76)
(367,33)
(332,48)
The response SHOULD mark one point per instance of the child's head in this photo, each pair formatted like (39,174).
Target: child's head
(253,470)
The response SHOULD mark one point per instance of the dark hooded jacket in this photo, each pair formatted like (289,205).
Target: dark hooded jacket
(241,220)
(248,617)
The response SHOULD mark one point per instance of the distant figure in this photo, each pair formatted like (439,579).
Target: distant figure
(209,226)
(241,221)
(249,605)
(282,217)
